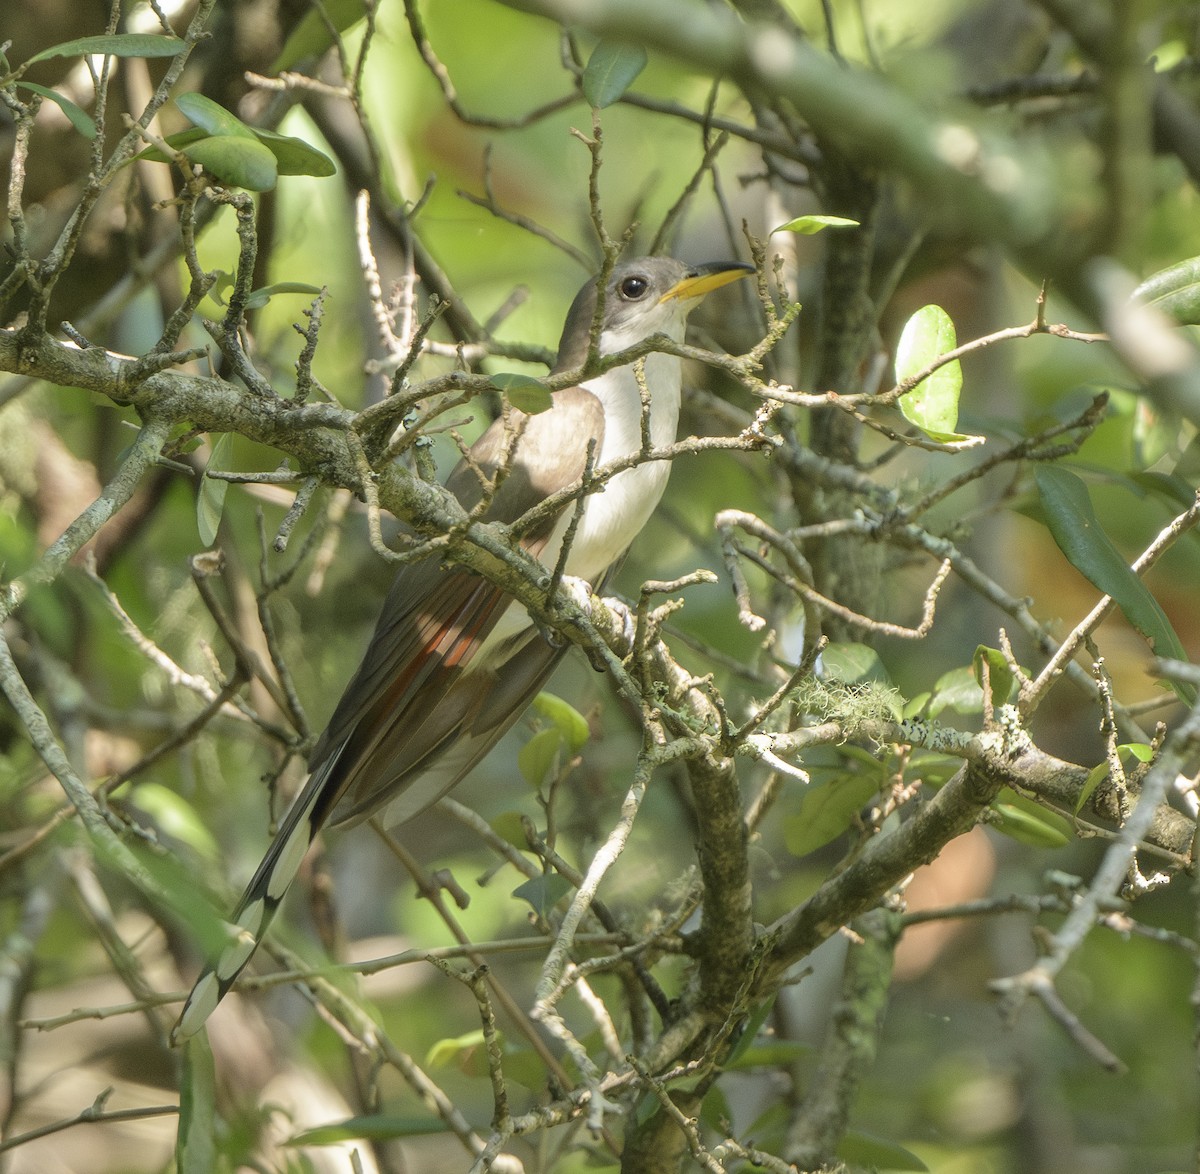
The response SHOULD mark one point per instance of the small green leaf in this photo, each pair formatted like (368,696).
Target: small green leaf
(195,1140)
(611,70)
(80,119)
(751,1028)
(543,892)
(540,756)
(877,1153)
(381,1127)
(446,1051)
(509,826)
(239,162)
(212,116)
(1175,291)
(1001,678)
(570,723)
(177,817)
(210,501)
(826,810)
(807,225)
(524,392)
(314,33)
(294,156)
(1028,823)
(957,690)
(1076,530)
(260,297)
(933,404)
(116,45)
(853,664)
(1139,751)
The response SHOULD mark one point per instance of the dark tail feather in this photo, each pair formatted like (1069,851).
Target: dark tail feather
(257,906)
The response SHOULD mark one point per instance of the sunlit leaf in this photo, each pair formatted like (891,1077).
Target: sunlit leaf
(1175,291)
(176,817)
(1027,822)
(611,70)
(957,690)
(933,404)
(447,1051)
(260,297)
(1076,530)
(539,757)
(1001,678)
(569,722)
(807,225)
(80,119)
(115,45)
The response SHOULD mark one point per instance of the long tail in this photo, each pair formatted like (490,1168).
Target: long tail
(258,904)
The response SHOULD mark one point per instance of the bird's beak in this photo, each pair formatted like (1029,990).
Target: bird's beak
(704,279)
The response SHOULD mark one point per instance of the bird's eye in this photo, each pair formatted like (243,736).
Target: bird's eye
(633,288)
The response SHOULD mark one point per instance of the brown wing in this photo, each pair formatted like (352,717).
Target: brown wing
(417,692)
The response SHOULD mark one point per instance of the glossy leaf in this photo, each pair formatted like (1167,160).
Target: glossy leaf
(807,225)
(1001,678)
(611,70)
(569,722)
(115,45)
(1029,823)
(1076,530)
(540,756)
(1175,291)
(933,404)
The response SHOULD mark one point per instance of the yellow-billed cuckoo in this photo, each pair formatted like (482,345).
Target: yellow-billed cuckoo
(454,660)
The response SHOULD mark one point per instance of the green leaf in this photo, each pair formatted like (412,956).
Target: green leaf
(1076,530)
(877,1153)
(853,664)
(1175,291)
(540,756)
(260,297)
(116,45)
(210,501)
(378,1127)
(1027,823)
(751,1028)
(957,690)
(1139,751)
(611,70)
(212,116)
(826,810)
(569,722)
(312,35)
(509,826)
(447,1051)
(933,404)
(807,225)
(524,392)
(195,1140)
(294,156)
(80,119)
(543,892)
(1001,678)
(177,817)
(239,162)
